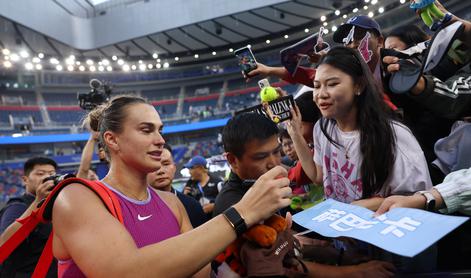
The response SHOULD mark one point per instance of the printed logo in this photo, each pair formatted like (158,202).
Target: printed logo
(142,218)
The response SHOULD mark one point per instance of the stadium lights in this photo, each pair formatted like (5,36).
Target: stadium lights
(126,67)
(365,7)
(267,41)
(323,18)
(6,51)
(14,57)
(150,66)
(81,68)
(402,1)
(177,58)
(325,24)
(70,68)
(158,60)
(286,36)
(371,14)
(120,62)
(39,66)
(6,58)
(214,54)
(158,65)
(101,68)
(344,16)
(92,68)
(40,55)
(306,30)
(59,68)
(140,61)
(374,2)
(54,61)
(155,55)
(334,28)
(36,60)
(7,64)
(133,67)
(166,65)
(29,66)
(381,10)
(89,62)
(109,68)
(24,54)
(196,56)
(337,12)
(105,62)
(355,10)
(77,63)
(231,50)
(114,58)
(142,67)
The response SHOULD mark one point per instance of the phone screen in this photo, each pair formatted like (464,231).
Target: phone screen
(247,61)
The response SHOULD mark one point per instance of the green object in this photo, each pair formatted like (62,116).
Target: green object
(304,201)
(268,94)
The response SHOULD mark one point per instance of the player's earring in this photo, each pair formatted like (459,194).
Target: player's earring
(358,93)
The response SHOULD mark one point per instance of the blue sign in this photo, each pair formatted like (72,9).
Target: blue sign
(402,231)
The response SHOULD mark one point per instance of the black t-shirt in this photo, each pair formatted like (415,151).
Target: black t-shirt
(209,191)
(193,209)
(23,260)
(232,191)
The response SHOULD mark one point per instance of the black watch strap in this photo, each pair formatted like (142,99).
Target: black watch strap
(236,220)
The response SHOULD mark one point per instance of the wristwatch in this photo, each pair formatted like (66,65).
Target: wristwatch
(430,200)
(236,220)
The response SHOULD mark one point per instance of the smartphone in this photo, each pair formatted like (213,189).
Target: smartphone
(263,83)
(247,62)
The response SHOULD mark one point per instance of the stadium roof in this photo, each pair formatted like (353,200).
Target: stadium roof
(143,29)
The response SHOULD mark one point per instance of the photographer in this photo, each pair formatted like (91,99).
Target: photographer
(85,171)
(21,263)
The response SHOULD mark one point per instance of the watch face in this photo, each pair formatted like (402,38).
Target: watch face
(431,205)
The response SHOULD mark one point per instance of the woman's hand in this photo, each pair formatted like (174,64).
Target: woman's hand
(295,125)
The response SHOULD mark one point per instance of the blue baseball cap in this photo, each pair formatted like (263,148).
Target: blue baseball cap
(361,21)
(197,160)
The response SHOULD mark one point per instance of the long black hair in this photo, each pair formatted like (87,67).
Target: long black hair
(377,137)
(409,34)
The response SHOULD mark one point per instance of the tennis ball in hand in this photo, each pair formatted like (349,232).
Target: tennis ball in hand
(268,94)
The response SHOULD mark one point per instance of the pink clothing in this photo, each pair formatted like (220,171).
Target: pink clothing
(149,221)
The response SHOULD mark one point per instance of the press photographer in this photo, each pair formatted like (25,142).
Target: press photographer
(100,92)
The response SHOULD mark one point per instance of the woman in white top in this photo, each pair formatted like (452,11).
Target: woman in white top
(361,154)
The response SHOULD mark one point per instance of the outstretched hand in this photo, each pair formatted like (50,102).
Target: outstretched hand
(270,193)
(413,201)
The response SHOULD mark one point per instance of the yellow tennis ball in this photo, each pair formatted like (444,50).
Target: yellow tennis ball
(268,94)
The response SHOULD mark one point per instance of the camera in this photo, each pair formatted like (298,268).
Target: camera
(58,178)
(100,92)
